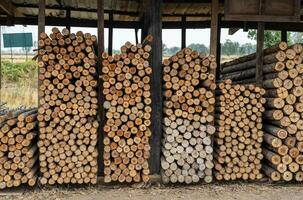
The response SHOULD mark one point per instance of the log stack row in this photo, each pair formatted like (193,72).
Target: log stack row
(188,89)
(243,69)
(283,119)
(239,134)
(67,108)
(18,147)
(126,88)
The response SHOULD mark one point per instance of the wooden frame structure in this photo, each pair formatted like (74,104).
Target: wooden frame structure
(150,23)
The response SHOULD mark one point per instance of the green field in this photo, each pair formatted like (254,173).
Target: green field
(19,83)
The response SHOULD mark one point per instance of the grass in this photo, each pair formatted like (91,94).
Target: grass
(19,84)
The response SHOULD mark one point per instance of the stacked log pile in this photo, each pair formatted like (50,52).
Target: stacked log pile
(18,147)
(188,90)
(126,88)
(239,135)
(243,69)
(67,108)
(282,149)
(284,120)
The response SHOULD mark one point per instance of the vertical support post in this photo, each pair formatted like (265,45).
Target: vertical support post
(41,28)
(153,26)
(101,115)
(0,61)
(183,33)
(259,54)
(110,33)
(218,57)
(136,35)
(68,11)
(144,30)
(41,17)
(214,29)
(284,35)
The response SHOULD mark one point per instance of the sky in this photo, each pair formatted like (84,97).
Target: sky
(170,37)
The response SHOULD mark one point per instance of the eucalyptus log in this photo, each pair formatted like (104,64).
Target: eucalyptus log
(126,87)
(189,104)
(68,105)
(283,119)
(239,134)
(18,147)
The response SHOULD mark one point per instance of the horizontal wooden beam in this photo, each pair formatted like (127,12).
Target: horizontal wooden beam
(114,12)
(56,21)
(63,7)
(7,7)
(191,2)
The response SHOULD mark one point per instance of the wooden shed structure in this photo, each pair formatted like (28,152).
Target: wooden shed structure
(151,16)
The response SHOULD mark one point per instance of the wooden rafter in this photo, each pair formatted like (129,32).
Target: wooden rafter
(7,7)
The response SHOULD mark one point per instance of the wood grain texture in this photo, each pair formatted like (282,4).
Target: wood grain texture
(18,147)
(239,135)
(283,122)
(67,111)
(188,85)
(126,87)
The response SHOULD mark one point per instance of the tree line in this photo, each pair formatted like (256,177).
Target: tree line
(227,48)
(233,48)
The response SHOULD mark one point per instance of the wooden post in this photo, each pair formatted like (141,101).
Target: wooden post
(0,62)
(153,26)
(214,29)
(259,54)
(41,17)
(136,35)
(68,11)
(284,35)
(183,33)
(218,56)
(41,28)
(110,33)
(100,22)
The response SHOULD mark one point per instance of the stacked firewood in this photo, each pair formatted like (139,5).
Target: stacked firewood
(283,118)
(126,87)
(239,135)
(18,147)
(67,107)
(188,90)
(243,69)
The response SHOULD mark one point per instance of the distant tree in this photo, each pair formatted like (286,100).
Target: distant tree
(173,50)
(165,49)
(230,48)
(296,37)
(199,47)
(270,37)
(115,51)
(247,48)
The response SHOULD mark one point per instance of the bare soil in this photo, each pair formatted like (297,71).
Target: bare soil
(239,191)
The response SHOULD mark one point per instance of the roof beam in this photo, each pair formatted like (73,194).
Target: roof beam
(232,31)
(115,12)
(7,7)
(56,21)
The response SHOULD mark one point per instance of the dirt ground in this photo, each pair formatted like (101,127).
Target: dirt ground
(198,192)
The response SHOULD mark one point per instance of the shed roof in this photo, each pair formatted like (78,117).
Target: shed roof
(123,10)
